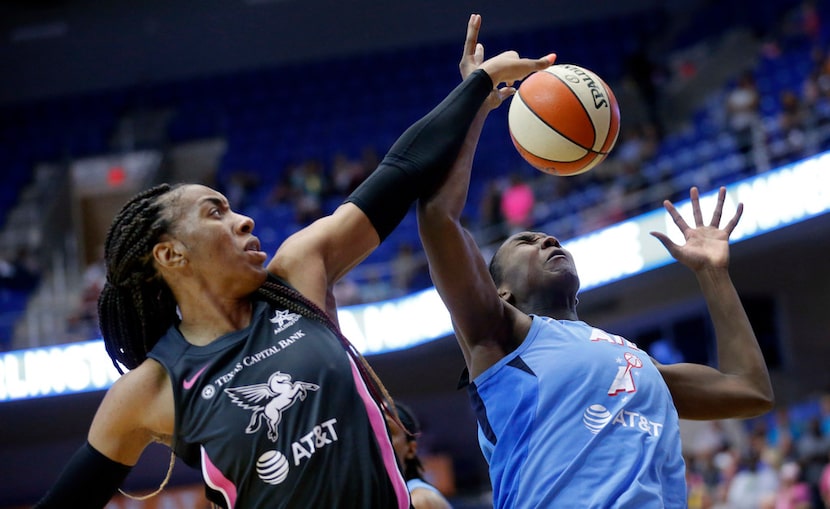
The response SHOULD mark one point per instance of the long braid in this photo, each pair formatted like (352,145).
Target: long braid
(135,306)
(278,293)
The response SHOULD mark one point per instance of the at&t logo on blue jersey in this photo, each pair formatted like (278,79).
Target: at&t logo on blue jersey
(597,417)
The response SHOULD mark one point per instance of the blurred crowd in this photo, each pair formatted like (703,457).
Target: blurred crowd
(765,132)
(19,270)
(778,461)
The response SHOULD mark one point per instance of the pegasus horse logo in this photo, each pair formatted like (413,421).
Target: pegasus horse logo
(269,400)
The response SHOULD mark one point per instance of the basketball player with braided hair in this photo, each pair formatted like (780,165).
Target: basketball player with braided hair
(404,432)
(239,366)
(570,415)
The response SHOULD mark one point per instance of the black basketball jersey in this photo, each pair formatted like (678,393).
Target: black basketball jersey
(277,415)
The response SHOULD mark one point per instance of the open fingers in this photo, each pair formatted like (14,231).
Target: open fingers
(670,246)
(471,41)
(694,194)
(473,53)
(503,93)
(675,215)
(730,226)
(479,54)
(716,215)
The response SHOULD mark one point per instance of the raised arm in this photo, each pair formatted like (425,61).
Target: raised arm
(315,258)
(484,324)
(740,387)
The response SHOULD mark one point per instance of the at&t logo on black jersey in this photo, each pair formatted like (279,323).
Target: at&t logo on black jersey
(267,402)
(273,466)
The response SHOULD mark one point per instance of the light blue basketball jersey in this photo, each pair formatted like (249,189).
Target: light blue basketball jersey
(577,417)
(419,484)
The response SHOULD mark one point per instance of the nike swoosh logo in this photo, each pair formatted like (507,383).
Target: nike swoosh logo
(188,383)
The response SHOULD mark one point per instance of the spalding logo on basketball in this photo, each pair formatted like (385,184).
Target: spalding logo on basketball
(564,120)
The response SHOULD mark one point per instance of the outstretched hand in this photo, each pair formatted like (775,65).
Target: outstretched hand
(707,246)
(506,67)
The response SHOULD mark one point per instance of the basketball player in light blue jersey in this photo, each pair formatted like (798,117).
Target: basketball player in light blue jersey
(570,415)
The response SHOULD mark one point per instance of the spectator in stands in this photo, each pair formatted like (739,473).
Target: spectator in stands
(84,320)
(824,413)
(727,463)
(802,26)
(347,292)
(754,485)
(547,385)
(824,485)
(19,271)
(240,367)
(816,92)
(309,185)
(743,114)
(346,174)
(782,433)
(610,211)
(811,449)
(239,185)
(517,201)
(409,270)
(490,218)
(631,149)
(793,492)
(405,441)
(649,76)
(698,496)
(376,285)
(369,159)
(789,142)
(282,192)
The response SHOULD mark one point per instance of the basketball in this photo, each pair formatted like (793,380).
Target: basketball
(564,120)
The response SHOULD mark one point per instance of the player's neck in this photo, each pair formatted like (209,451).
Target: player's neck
(204,324)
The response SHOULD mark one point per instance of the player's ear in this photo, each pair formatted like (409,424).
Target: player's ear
(507,296)
(411,449)
(169,253)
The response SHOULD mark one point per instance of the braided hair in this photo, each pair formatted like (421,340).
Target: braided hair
(136,307)
(412,468)
(278,293)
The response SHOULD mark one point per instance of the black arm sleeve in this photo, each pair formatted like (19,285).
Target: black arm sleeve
(421,157)
(89,480)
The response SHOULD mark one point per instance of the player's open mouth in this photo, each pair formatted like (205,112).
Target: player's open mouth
(556,254)
(252,245)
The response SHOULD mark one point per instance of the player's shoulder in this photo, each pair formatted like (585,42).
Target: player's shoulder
(146,382)
(428,497)
(141,399)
